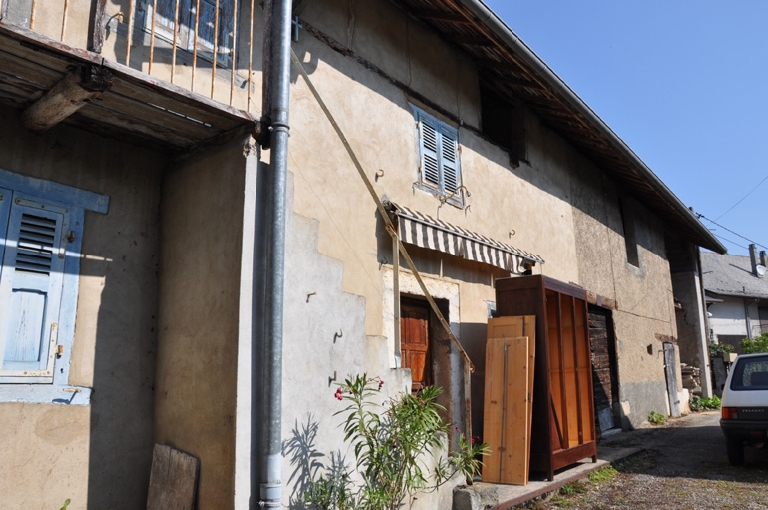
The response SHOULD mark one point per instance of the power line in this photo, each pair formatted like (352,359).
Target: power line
(742,199)
(698,215)
(729,241)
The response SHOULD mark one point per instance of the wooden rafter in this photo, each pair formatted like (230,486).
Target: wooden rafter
(66,97)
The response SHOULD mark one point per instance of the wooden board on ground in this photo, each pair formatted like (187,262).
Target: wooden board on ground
(510,354)
(173,481)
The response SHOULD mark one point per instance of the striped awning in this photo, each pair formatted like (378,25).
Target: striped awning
(426,232)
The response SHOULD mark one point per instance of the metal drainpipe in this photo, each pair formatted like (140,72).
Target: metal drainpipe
(268,371)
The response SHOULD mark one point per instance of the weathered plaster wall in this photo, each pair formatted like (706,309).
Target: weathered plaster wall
(691,326)
(643,294)
(557,204)
(198,330)
(367,106)
(98,456)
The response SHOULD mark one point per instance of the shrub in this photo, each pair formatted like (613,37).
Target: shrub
(757,344)
(716,350)
(704,404)
(391,442)
(656,418)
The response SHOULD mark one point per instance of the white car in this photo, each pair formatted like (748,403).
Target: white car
(744,406)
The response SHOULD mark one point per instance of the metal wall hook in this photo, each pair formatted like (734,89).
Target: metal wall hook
(338,335)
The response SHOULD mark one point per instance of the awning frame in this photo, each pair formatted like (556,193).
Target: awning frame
(418,229)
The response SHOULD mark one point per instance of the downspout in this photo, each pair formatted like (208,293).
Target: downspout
(268,329)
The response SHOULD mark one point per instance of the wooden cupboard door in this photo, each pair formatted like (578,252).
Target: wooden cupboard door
(414,342)
(508,398)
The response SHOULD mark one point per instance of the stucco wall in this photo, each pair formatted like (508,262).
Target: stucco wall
(556,204)
(98,456)
(199,300)
(729,316)
(643,294)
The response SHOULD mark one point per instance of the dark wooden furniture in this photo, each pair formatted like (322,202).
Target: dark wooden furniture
(563,430)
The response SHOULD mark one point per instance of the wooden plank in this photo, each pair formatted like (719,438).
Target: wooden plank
(97,28)
(493,411)
(514,468)
(39,47)
(173,480)
(161,118)
(123,121)
(508,398)
(167,95)
(13,65)
(669,369)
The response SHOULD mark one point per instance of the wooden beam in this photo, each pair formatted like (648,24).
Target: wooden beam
(450,17)
(96,26)
(66,97)
(472,40)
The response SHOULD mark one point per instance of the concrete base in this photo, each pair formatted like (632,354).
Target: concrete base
(482,496)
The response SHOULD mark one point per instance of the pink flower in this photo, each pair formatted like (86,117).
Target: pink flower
(381,383)
(338,393)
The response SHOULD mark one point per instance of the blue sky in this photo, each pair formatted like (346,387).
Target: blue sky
(684,83)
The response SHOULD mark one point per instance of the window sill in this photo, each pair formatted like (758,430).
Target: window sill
(45,394)
(456,200)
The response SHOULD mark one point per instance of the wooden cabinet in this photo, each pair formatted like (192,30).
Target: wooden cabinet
(563,430)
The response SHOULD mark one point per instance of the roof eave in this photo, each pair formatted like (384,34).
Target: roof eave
(491,20)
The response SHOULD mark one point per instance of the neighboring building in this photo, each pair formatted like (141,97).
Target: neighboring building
(737,296)
(132,168)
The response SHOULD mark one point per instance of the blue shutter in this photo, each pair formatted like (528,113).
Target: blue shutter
(30,289)
(449,159)
(5,212)
(428,145)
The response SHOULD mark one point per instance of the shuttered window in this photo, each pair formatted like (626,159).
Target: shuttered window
(440,168)
(41,231)
(31,279)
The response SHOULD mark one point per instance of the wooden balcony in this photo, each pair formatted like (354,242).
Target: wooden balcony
(177,72)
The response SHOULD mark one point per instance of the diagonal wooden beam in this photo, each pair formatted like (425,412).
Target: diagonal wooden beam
(66,97)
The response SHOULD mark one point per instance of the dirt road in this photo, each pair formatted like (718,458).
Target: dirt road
(683,466)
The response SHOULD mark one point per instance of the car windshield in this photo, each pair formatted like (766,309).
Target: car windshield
(750,374)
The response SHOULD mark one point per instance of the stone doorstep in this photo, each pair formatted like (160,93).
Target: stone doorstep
(482,496)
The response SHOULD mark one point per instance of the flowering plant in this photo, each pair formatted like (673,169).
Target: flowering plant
(392,443)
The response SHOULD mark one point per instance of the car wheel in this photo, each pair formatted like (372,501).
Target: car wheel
(735,450)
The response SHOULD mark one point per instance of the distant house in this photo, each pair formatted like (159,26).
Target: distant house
(737,295)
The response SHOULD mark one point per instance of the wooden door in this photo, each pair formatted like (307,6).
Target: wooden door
(414,342)
(603,367)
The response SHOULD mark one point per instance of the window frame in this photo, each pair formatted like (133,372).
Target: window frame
(185,35)
(629,227)
(56,388)
(449,194)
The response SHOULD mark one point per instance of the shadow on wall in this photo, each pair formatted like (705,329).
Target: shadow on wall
(121,430)
(308,463)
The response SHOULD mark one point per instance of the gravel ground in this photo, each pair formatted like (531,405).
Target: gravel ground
(683,466)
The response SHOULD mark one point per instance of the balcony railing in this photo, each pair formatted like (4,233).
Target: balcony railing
(205,46)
